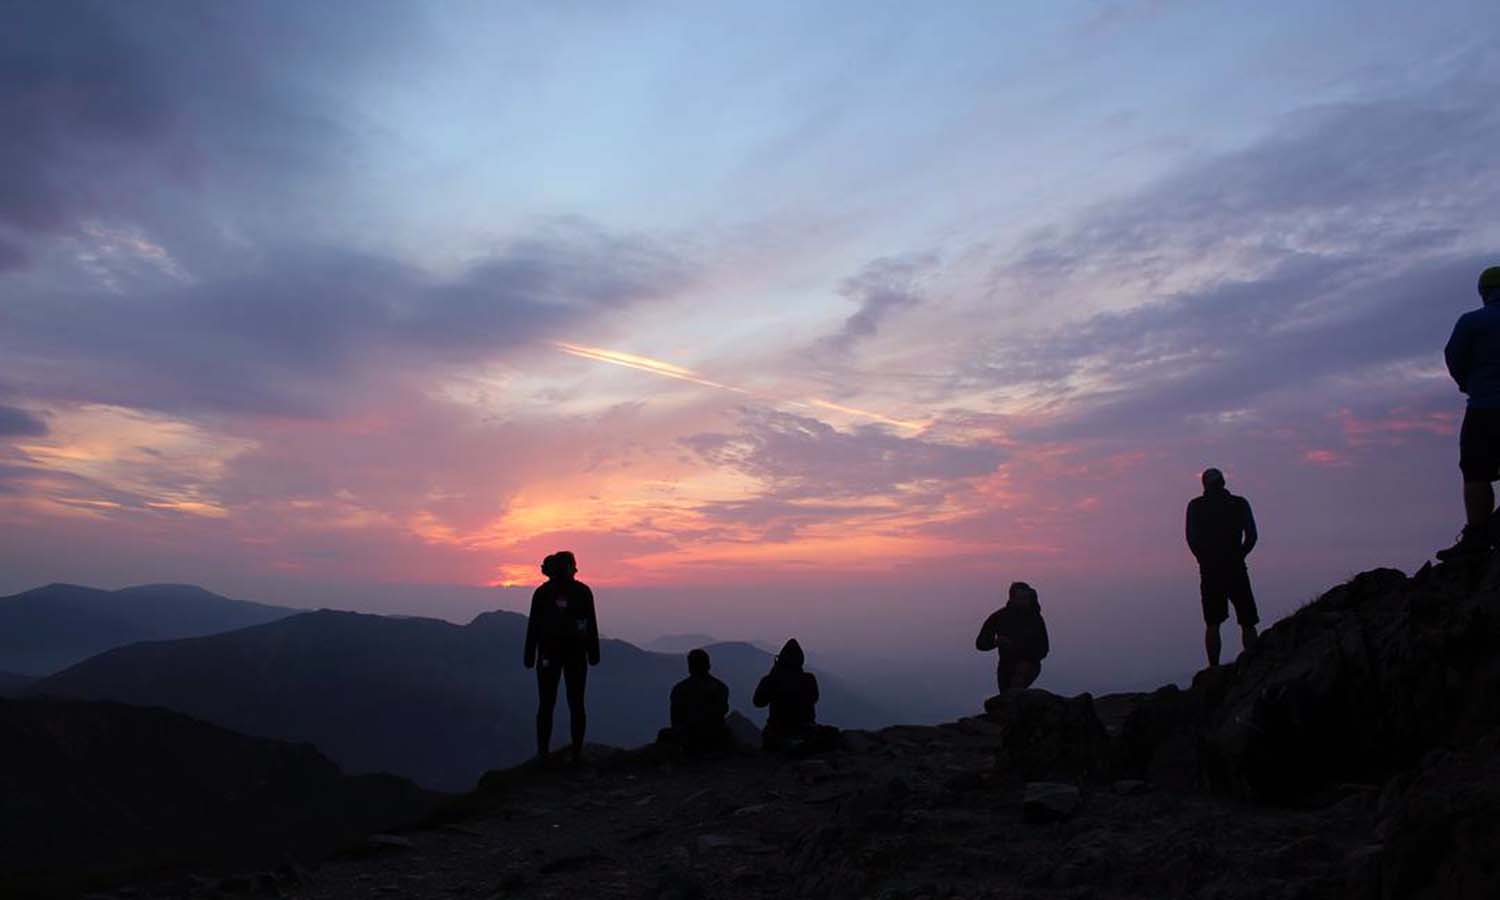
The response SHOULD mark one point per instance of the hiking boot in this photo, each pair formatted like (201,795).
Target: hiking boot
(1472,542)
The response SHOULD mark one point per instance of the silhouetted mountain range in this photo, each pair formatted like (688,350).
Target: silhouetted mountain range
(423,698)
(12,684)
(97,791)
(48,628)
(679,643)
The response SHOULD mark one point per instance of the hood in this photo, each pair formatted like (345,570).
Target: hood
(791,655)
(1028,605)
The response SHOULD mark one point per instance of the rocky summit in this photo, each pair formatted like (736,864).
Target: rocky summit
(1354,753)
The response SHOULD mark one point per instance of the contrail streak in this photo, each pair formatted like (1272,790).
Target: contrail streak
(643,364)
(854,411)
(668,370)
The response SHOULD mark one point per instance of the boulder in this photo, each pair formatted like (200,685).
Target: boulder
(1044,736)
(1353,687)
(1439,830)
(743,731)
(1047,801)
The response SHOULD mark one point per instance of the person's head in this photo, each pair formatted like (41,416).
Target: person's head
(791,656)
(560,565)
(698,662)
(1489,285)
(1023,594)
(1213,480)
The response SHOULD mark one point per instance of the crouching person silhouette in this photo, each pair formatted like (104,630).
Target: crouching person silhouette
(562,641)
(1018,632)
(792,695)
(699,704)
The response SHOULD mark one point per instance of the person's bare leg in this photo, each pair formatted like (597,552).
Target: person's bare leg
(1212,644)
(1248,634)
(1479,503)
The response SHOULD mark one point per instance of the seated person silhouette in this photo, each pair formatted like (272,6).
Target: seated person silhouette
(1018,632)
(792,695)
(699,704)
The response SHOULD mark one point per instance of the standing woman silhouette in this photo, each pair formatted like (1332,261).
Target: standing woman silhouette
(562,641)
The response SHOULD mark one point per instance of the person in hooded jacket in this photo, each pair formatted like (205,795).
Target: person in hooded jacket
(562,641)
(792,695)
(1018,632)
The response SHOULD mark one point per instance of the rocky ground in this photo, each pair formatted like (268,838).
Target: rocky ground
(1355,753)
(912,812)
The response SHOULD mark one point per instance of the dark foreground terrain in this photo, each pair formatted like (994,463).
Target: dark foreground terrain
(1355,753)
(96,793)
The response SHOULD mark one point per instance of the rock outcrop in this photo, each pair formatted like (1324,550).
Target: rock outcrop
(1044,736)
(1352,688)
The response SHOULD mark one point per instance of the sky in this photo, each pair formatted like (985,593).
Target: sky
(826,319)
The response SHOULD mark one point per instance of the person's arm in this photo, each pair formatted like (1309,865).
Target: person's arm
(985,642)
(1457,354)
(676,716)
(1251,536)
(1044,645)
(762,696)
(812,688)
(528,657)
(593,627)
(1194,531)
(721,700)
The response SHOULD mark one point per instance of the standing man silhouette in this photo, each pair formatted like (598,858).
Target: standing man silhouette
(562,641)
(1221,533)
(1473,357)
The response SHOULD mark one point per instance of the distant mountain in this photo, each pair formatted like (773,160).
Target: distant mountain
(427,699)
(679,643)
(48,628)
(12,684)
(92,792)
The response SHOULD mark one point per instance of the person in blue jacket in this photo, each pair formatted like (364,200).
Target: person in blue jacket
(1473,357)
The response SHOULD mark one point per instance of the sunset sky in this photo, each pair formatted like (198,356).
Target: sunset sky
(826,318)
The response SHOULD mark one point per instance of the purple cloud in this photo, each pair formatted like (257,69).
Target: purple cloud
(882,288)
(19,422)
(309,326)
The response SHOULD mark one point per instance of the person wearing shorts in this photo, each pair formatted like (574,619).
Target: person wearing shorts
(1473,358)
(1221,533)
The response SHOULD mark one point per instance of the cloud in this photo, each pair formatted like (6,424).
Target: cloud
(308,328)
(1344,243)
(104,106)
(882,288)
(15,421)
(802,457)
(809,472)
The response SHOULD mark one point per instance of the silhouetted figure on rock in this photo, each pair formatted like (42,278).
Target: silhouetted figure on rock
(1221,533)
(562,641)
(1473,357)
(1018,632)
(792,695)
(699,704)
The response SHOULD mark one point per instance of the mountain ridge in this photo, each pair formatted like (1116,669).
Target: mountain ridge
(47,628)
(424,698)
